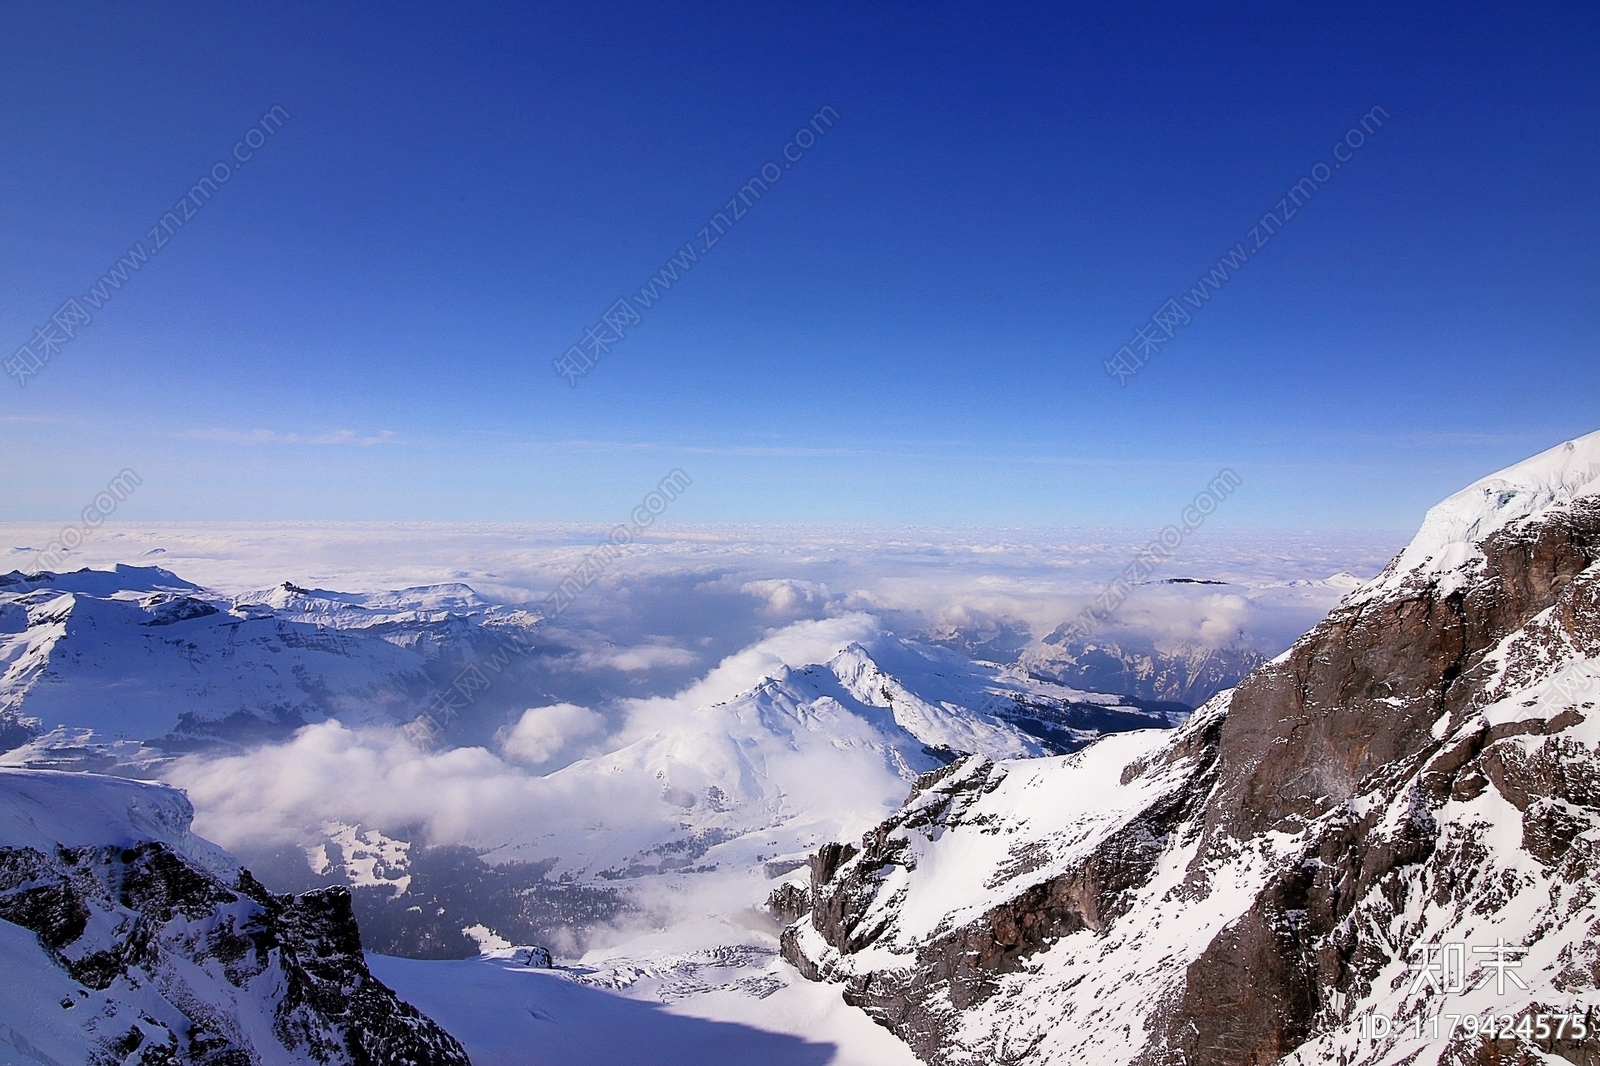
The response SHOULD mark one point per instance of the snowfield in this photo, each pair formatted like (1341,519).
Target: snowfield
(667,1000)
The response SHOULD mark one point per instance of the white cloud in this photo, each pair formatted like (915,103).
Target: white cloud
(637,658)
(787,598)
(542,733)
(1039,576)
(272,436)
(278,794)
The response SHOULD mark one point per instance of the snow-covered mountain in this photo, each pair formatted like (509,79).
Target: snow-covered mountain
(825,743)
(1225,631)
(715,799)
(1177,639)
(137,672)
(1185,672)
(126,939)
(1390,829)
(138,653)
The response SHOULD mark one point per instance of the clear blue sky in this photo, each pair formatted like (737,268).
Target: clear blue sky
(910,326)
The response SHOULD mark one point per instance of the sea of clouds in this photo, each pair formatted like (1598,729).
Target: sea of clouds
(685,618)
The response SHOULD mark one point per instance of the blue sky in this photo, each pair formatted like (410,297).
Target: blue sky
(910,326)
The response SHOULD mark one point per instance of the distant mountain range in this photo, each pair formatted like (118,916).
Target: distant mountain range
(1178,640)
(139,653)
(126,671)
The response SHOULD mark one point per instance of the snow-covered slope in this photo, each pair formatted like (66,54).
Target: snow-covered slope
(1393,826)
(125,939)
(687,997)
(45,811)
(138,653)
(1447,551)
(816,748)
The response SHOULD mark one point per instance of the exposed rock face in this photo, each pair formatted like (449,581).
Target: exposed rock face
(789,903)
(162,959)
(1418,772)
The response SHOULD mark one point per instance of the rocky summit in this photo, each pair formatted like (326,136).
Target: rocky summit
(1379,847)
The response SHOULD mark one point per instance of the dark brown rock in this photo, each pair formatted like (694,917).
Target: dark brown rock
(788,902)
(331,1009)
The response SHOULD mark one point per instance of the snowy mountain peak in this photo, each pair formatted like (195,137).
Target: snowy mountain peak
(291,599)
(1447,546)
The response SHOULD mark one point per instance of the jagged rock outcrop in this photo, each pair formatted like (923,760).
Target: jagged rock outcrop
(126,940)
(1414,781)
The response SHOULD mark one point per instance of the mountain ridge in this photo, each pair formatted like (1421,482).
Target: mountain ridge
(1415,771)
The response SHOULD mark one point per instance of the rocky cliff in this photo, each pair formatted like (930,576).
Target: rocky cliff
(1387,831)
(124,939)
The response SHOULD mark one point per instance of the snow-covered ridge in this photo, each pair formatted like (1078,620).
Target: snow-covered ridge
(139,653)
(352,609)
(121,579)
(43,809)
(1263,883)
(1447,546)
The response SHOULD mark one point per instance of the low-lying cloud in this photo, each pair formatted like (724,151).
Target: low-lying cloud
(281,794)
(542,733)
